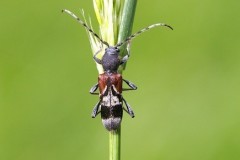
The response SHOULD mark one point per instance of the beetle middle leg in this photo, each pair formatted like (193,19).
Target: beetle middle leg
(130,84)
(93,89)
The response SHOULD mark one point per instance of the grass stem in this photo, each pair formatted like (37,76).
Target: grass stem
(124,31)
(115,144)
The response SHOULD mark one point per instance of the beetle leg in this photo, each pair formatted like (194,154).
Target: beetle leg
(129,109)
(125,58)
(99,61)
(130,84)
(93,89)
(96,111)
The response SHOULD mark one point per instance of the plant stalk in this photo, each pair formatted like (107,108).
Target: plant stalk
(115,144)
(124,32)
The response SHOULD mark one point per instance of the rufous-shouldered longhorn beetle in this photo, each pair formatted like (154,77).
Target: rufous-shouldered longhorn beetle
(109,83)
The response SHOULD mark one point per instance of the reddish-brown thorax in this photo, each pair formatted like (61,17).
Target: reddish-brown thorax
(109,79)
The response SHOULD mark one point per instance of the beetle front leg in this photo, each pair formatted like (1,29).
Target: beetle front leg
(125,58)
(99,61)
(129,109)
(93,89)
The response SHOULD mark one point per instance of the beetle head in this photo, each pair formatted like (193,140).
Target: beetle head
(110,60)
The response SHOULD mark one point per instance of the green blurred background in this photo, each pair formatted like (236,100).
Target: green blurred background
(187,104)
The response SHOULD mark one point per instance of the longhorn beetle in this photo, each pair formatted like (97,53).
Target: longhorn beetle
(110,82)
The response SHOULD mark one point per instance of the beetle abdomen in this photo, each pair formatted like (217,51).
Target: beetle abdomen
(111,116)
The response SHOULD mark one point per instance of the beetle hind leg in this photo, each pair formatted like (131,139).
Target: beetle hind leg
(129,109)
(96,111)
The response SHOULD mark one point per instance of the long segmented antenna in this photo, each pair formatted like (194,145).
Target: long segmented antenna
(141,31)
(85,25)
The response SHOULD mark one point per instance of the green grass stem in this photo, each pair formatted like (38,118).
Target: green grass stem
(124,32)
(115,144)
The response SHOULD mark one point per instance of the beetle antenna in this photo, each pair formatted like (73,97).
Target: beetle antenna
(141,31)
(85,25)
